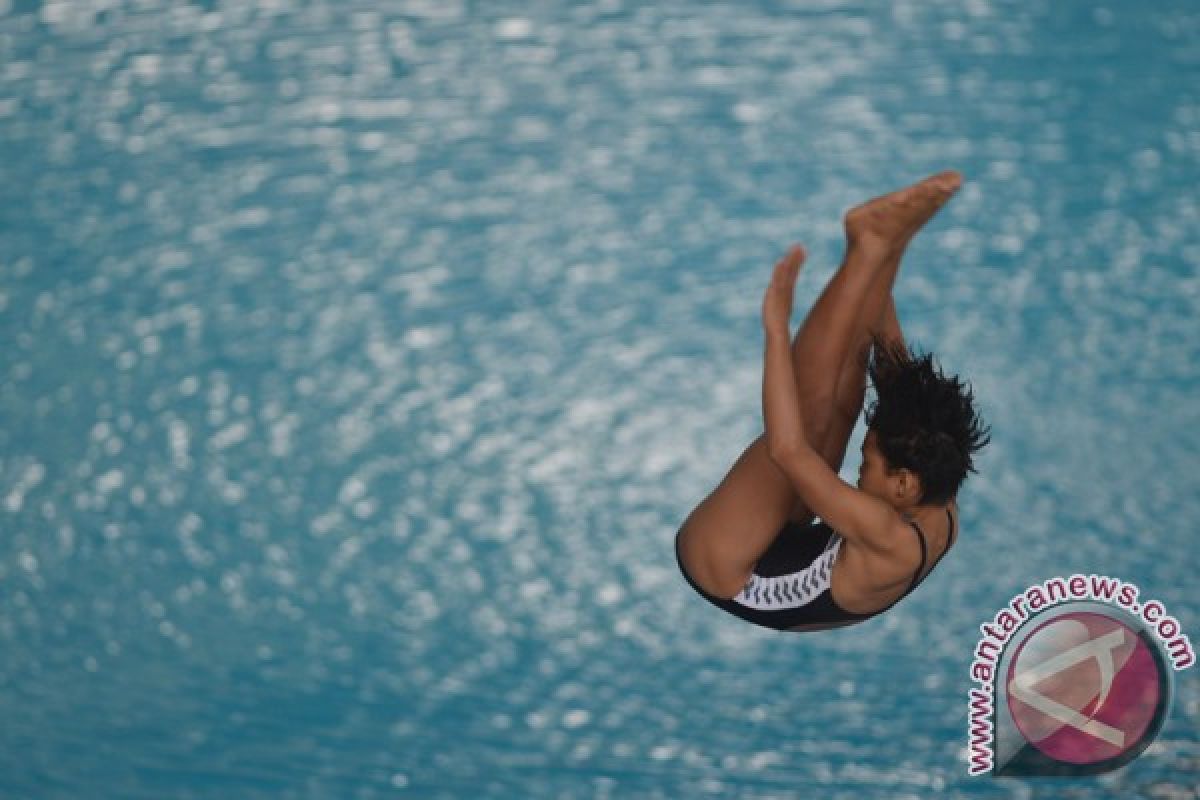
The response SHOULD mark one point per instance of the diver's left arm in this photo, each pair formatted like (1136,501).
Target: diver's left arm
(856,515)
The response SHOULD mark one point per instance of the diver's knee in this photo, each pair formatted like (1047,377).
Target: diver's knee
(704,571)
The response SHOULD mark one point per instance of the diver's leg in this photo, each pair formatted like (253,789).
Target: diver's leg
(728,532)
(852,383)
(832,345)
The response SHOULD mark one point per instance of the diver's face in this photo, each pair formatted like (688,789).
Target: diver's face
(872,473)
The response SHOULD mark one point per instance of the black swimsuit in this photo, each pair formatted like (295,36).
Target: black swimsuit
(789,589)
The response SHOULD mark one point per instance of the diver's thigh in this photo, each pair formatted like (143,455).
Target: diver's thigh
(729,530)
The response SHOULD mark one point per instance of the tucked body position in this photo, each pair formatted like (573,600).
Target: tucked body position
(753,547)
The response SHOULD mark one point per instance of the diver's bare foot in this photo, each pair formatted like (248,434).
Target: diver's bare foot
(889,222)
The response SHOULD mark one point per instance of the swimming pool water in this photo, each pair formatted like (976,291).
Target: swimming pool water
(361,360)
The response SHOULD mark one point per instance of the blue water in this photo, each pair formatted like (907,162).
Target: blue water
(360,361)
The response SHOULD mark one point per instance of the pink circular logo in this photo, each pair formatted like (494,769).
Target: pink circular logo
(1083,688)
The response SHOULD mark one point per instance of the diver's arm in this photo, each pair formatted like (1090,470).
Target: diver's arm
(856,515)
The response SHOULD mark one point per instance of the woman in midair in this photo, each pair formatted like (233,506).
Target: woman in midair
(751,547)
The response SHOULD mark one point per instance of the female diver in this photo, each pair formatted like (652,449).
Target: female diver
(749,547)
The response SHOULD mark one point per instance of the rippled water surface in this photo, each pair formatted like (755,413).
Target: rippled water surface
(360,361)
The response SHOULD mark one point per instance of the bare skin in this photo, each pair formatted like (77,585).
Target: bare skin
(728,532)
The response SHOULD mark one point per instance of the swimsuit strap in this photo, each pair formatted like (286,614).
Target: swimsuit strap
(917,576)
(921,535)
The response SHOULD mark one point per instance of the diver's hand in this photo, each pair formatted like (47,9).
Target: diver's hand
(777,304)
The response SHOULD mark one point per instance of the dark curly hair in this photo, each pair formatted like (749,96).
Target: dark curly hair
(923,421)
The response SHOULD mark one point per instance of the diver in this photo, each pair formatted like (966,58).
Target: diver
(752,547)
